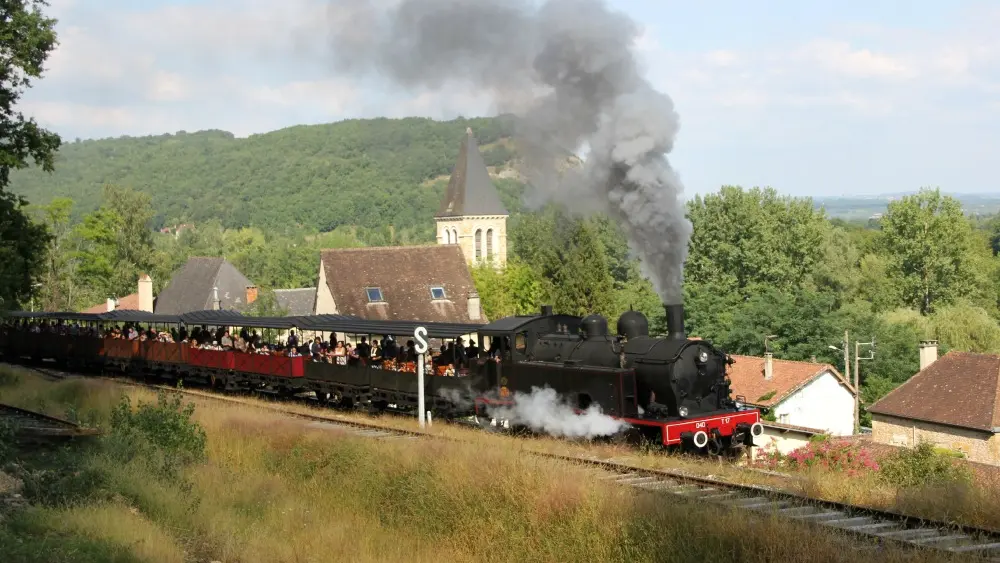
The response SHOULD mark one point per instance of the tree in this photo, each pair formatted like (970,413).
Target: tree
(745,240)
(802,321)
(58,291)
(931,249)
(28,38)
(515,290)
(583,283)
(117,242)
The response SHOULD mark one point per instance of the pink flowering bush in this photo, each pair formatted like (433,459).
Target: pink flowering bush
(824,453)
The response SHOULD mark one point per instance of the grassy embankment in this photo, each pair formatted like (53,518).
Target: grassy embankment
(919,485)
(235,483)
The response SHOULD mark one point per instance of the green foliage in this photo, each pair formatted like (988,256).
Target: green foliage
(22,250)
(931,250)
(924,465)
(28,38)
(802,321)
(747,240)
(514,290)
(117,243)
(64,484)
(162,433)
(767,396)
(367,173)
(583,280)
(31,537)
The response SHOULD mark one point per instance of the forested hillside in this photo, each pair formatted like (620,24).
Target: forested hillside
(370,173)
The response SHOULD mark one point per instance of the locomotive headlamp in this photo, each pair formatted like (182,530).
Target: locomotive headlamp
(683,411)
(703,356)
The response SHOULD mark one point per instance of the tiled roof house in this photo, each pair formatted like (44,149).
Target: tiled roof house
(953,402)
(799,394)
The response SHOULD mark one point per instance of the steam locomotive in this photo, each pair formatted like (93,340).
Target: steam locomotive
(672,390)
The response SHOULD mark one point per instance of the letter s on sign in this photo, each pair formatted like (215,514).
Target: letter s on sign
(420,334)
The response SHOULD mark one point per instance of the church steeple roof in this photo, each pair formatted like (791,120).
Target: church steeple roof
(470,190)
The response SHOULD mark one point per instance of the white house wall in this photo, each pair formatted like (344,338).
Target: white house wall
(781,440)
(823,403)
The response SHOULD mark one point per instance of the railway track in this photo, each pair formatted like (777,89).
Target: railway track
(33,426)
(871,526)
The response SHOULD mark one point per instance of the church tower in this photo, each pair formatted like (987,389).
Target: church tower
(472,215)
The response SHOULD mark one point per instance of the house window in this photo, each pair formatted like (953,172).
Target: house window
(447,236)
(437,293)
(454,236)
(489,244)
(479,244)
(374,294)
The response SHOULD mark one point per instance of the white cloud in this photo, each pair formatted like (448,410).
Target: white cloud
(842,58)
(250,65)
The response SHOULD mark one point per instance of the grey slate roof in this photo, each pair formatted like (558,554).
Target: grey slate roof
(190,289)
(470,190)
(296,302)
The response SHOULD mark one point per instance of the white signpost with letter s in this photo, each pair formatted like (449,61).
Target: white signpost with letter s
(420,334)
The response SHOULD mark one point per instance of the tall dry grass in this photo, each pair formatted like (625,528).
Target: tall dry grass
(272,488)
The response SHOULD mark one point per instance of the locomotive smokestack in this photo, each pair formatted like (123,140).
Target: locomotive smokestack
(675,321)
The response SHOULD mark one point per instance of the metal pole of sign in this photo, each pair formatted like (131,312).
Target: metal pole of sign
(419,334)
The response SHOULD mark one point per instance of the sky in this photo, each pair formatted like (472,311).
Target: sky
(819,98)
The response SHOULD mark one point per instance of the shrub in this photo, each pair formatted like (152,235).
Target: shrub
(164,433)
(924,465)
(836,456)
(820,452)
(64,486)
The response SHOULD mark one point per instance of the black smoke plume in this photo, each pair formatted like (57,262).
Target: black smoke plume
(568,70)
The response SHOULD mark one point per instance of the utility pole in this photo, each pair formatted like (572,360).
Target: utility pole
(857,385)
(847,358)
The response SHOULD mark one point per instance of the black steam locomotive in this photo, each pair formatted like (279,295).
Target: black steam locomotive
(673,390)
(670,390)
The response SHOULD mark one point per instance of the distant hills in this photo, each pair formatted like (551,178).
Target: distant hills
(364,172)
(369,173)
(854,208)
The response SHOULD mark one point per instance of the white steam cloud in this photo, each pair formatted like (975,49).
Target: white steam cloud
(568,70)
(543,411)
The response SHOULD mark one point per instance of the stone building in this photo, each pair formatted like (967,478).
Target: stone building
(429,283)
(952,402)
(472,215)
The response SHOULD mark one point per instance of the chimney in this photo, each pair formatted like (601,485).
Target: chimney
(675,321)
(251,294)
(546,310)
(145,293)
(111,304)
(216,304)
(928,353)
(473,305)
(768,365)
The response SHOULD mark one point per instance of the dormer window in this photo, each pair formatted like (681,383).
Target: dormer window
(374,294)
(437,293)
